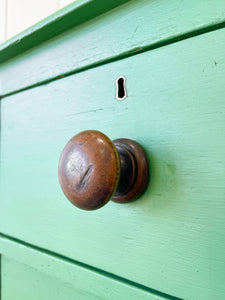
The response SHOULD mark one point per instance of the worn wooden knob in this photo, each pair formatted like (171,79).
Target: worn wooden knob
(92,169)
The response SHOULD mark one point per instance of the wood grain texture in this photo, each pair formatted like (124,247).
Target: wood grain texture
(172,239)
(25,13)
(22,282)
(75,14)
(31,274)
(124,31)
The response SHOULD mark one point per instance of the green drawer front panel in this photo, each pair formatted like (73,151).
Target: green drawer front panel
(21,282)
(125,30)
(172,239)
(30,274)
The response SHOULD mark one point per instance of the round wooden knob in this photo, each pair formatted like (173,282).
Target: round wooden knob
(92,169)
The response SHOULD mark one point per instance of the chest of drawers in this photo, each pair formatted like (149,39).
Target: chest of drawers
(57,79)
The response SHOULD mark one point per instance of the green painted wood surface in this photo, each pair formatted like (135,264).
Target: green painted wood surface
(72,15)
(126,30)
(172,239)
(64,274)
(21,282)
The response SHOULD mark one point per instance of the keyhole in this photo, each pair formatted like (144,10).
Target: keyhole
(121,93)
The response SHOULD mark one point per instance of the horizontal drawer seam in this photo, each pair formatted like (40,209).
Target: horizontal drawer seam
(124,55)
(125,281)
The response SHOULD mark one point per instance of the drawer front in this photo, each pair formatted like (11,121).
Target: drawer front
(21,282)
(49,278)
(172,239)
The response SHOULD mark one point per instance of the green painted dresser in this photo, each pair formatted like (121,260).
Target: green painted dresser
(59,78)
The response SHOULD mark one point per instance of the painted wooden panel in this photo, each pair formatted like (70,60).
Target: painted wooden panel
(72,15)
(23,282)
(172,239)
(62,277)
(128,29)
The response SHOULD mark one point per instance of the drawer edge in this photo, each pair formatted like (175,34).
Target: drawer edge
(65,269)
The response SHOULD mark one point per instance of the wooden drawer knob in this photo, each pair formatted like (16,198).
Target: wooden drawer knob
(92,169)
